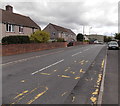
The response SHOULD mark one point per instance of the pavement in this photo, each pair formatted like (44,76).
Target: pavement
(60,76)
(110,95)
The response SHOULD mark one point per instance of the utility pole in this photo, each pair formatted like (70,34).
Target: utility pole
(90,29)
(83,29)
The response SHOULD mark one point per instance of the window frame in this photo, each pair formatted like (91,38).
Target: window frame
(21,27)
(10,27)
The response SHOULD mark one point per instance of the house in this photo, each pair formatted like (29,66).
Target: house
(16,24)
(86,38)
(60,32)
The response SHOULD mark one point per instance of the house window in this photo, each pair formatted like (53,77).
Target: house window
(9,28)
(20,29)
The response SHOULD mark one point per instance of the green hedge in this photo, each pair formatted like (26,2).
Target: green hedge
(16,39)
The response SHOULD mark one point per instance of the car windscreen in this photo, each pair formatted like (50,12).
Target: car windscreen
(113,44)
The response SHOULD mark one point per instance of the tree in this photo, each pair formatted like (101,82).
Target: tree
(107,38)
(40,37)
(80,37)
(117,36)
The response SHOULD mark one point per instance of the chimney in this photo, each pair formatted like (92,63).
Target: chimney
(9,8)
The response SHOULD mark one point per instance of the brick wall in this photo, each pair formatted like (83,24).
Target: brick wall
(24,48)
(13,49)
(80,43)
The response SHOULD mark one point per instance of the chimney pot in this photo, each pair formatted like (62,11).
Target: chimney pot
(9,8)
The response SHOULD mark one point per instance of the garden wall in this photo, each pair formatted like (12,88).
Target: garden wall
(13,49)
(33,47)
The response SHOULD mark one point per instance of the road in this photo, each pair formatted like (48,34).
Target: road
(60,76)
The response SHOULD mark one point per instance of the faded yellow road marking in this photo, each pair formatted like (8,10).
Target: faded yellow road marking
(63,93)
(96,92)
(72,72)
(45,73)
(48,73)
(37,96)
(64,76)
(102,65)
(86,61)
(22,81)
(73,98)
(24,92)
(67,69)
(93,99)
(82,62)
(24,96)
(81,71)
(77,77)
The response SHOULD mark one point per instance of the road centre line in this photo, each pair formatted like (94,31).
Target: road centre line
(29,58)
(86,49)
(48,66)
(76,54)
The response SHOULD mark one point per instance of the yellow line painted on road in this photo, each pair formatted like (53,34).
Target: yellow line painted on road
(24,96)
(72,72)
(103,62)
(64,76)
(86,61)
(66,70)
(37,96)
(63,93)
(24,92)
(22,81)
(81,71)
(96,92)
(77,77)
(93,99)
(45,73)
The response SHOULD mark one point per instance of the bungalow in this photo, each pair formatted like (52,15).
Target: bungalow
(60,32)
(16,24)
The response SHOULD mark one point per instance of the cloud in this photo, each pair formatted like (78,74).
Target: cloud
(100,14)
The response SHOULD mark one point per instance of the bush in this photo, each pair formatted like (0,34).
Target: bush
(40,37)
(86,40)
(60,40)
(16,39)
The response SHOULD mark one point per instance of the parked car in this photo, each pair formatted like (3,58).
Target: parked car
(113,45)
(70,43)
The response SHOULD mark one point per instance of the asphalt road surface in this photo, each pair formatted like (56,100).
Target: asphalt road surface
(60,76)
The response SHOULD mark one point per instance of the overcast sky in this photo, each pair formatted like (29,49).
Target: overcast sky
(101,15)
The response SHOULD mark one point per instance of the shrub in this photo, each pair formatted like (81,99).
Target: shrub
(86,40)
(60,40)
(40,37)
(16,39)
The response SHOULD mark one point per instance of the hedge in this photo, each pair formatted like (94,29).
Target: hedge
(16,39)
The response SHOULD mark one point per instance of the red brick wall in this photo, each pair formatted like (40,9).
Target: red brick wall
(80,43)
(24,48)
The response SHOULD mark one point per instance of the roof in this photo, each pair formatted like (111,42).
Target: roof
(59,28)
(17,19)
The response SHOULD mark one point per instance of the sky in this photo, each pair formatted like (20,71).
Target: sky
(94,16)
